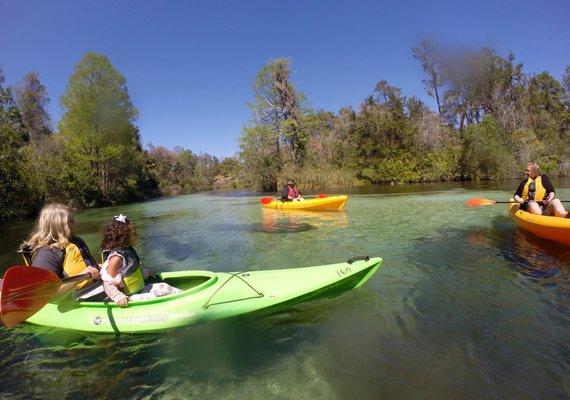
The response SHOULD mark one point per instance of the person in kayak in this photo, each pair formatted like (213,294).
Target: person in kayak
(536,194)
(290,192)
(53,246)
(121,272)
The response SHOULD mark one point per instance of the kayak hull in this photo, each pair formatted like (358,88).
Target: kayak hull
(326,203)
(208,296)
(551,228)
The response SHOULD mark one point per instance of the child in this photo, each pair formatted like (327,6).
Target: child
(121,272)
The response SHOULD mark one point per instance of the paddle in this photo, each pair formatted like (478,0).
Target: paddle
(478,202)
(27,289)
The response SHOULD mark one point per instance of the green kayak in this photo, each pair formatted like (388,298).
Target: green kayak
(208,296)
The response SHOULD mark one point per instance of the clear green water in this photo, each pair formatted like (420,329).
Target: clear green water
(465,305)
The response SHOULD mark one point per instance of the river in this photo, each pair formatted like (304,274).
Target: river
(465,305)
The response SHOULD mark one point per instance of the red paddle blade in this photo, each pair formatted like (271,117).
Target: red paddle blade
(321,196)
(24,291)
(478,201)
(267,200)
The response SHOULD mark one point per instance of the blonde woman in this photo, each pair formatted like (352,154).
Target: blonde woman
(53,246)
(536,194)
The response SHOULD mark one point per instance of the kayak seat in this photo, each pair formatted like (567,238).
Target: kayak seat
(96,291)
(93,292)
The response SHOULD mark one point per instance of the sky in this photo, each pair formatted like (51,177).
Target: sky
(190,65)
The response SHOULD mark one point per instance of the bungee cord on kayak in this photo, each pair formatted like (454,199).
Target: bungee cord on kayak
(232,275)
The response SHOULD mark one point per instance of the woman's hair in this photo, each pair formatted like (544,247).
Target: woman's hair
(53,228)
(533,167)
(116,234)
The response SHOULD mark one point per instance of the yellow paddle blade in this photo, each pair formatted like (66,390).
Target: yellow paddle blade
(478,202)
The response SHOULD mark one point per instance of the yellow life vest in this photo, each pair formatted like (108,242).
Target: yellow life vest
(133,278)
(74,263)
(540,192)
(76,252)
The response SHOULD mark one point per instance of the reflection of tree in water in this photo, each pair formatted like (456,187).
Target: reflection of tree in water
(530,254)
(274,221)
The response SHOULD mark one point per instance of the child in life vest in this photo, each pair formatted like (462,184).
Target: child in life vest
(121,272)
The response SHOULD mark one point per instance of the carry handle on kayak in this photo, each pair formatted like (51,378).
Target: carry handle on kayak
(357,258)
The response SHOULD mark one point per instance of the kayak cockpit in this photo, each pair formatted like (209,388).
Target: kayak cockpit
(189,282)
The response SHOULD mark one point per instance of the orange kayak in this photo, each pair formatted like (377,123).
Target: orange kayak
(552,228)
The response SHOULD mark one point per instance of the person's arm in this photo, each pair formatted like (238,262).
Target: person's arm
(116,295)
(550,192)
(115,264)
(518,193)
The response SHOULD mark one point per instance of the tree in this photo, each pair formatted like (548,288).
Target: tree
(279,105)
(17,198)
(566,80)
(102,144)
(431,58)
(485,154)
(31,98)
(260,155)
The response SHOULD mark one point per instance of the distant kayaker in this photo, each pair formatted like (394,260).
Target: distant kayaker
(290,192)
(536,194)
(121,272)
(54,246)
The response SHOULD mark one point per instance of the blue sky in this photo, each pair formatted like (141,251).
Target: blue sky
(190,65)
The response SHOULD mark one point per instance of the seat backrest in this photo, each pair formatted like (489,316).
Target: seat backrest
(26,252)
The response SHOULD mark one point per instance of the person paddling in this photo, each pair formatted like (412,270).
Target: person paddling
(290,192)
(53,246)
(536,194)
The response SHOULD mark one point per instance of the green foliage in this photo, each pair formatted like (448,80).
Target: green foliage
(261,156)
(31,98)
(485,155)
(101,145)
(492,119)
(17,199)
(180,171)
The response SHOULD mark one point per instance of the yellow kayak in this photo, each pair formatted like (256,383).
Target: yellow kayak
(317,204)
(552,228)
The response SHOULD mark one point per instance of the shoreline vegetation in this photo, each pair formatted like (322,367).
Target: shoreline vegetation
(491,118)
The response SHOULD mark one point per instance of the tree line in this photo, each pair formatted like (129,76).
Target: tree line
(94,156)
(492,117)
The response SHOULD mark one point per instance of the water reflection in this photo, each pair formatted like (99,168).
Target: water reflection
(277,221)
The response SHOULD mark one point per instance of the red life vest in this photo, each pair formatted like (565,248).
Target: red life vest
(293,192)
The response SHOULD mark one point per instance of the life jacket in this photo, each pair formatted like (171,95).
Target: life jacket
(131,270)
(76,259)
(540,191)
(293,192)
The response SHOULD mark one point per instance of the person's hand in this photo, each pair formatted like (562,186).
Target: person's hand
(545,202)
(123,302)
(519,200)
(94,272)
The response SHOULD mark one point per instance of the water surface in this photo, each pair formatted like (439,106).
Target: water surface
(465,305)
